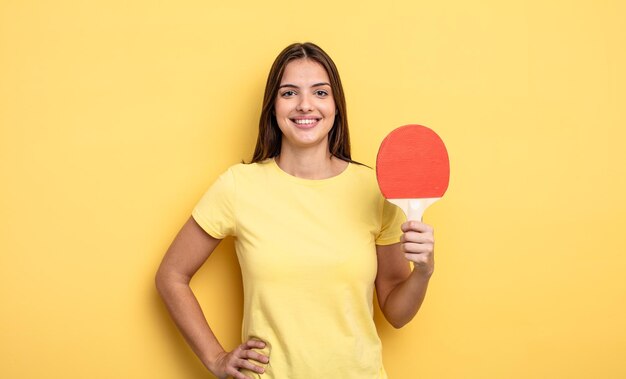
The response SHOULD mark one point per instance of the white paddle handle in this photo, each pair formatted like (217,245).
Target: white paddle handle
(414,208)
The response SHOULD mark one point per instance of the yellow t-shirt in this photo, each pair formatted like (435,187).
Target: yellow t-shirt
(307,250)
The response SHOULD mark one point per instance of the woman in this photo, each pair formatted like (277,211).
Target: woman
(313,237)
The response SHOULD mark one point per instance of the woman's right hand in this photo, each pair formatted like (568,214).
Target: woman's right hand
(229,363)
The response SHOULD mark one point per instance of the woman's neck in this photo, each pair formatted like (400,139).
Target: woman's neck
(309,163)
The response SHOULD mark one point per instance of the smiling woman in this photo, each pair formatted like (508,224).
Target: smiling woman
(311,252)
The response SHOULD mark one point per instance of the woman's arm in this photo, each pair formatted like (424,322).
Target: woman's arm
(401,291)
(189,250)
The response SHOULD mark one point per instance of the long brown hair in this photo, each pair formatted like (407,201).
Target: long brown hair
(270,137)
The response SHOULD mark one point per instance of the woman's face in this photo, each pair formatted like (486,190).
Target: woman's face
(305,108)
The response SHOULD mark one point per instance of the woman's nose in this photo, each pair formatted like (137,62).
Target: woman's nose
(304,105)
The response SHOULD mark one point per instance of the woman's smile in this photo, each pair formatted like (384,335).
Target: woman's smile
(305,122)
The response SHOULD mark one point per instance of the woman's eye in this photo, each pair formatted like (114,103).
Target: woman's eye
(288,93)
(321,93)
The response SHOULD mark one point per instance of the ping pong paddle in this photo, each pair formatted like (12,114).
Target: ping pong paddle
(413,169)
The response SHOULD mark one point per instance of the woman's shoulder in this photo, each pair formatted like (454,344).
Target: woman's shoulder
(361,175)
(248,170)
(361,170)
(244,167)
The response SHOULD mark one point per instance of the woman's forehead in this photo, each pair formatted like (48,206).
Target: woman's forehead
(304,71)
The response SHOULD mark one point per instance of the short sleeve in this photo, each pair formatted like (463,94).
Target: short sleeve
(215,210)
(392,220)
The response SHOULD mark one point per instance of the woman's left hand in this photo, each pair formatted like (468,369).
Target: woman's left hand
(418,246)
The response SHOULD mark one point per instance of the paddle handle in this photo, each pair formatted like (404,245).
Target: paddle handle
(414,208)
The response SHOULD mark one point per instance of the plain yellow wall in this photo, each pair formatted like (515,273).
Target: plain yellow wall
(115,116)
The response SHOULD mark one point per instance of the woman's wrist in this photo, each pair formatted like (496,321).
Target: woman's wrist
(421,274)
(211,361)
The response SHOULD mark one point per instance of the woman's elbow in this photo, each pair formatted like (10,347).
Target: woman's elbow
(398,323)
(159,281)
(162,280)
(398,318)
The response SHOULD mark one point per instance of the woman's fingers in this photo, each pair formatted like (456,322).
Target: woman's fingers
(418,245)
(418,248)
(244,363)
(416,226)
(248,353)
(253,344)
(251,354)
(231,371)
(243,357)
(415,237)
(246,356)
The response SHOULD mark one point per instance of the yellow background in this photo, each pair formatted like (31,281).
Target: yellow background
(115,116)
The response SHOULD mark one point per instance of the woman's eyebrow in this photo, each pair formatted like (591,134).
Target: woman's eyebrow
(295,86)
(321,84)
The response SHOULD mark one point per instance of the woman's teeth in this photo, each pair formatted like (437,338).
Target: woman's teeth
(305,121)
